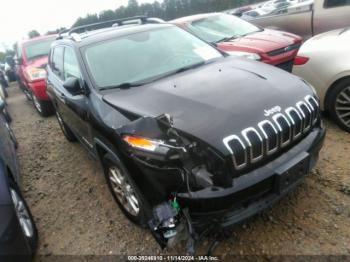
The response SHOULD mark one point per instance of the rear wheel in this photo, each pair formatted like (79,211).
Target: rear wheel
(339,104)
(125,192)
(24,216)
(65,129)
(44,108)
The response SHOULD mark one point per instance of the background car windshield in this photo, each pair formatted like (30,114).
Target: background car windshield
(38,48)
(144,56)
(215,28)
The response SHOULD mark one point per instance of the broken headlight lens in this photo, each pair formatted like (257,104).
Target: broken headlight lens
(142,143)
(151,148)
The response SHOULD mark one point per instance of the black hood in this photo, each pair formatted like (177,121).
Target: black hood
(215,100)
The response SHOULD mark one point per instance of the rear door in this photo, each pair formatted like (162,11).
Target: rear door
(330,15)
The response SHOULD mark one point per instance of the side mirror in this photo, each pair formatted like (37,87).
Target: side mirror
(2,105)
(72,85)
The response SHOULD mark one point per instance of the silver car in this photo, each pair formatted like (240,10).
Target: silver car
(324,61)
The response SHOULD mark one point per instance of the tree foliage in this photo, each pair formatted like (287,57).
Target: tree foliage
(33,34)
(167,9)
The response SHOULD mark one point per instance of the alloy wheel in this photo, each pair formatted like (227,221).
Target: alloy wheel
(22,214)
(342,106)
(124,191)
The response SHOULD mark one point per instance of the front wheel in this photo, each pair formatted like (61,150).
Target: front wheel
(24,217)
(125,192)
(339,104)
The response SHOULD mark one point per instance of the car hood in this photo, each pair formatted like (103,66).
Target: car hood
(261,42)
(215,100)
(327,41)
(39,62)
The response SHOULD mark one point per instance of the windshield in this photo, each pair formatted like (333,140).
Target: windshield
(38,48)
(145,56)
(221,27)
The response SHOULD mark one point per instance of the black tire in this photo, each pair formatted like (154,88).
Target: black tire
(67,132)
(28,95)
(33,240)
(141,218)
(340,117)
(44,108)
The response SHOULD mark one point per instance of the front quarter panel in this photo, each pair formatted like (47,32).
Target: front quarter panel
(325,66)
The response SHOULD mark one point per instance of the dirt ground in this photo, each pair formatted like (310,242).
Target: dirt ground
(76,215)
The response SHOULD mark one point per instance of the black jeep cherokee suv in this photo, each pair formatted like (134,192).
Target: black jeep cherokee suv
(190,139)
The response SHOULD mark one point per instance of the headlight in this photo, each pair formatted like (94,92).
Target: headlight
(154,149)
(248,55)
(34,73)
(142,143)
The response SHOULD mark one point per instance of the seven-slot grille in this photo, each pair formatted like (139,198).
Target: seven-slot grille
(254,143)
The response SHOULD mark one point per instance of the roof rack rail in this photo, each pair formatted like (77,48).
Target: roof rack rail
(109,23)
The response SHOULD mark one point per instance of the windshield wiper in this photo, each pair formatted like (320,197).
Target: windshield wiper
(125,85)
(185,68)
(253,32)
(128,85)
(226,39)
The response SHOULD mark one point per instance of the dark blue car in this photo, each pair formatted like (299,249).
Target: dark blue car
(18,234)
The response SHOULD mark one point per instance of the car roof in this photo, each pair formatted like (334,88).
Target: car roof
(94,36)
(193,18)
(37,39)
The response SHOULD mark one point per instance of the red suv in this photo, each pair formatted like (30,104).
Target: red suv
(238,37)
(32,56)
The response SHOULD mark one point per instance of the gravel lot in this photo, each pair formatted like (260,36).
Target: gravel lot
(76,215)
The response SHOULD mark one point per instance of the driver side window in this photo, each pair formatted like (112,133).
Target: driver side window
(71,65)
(57,61)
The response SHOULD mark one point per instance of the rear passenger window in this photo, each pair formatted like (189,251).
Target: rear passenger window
(336,3)
(71,66)
(57,61)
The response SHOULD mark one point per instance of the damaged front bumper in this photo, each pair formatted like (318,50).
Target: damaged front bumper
(186,189)
(255,191)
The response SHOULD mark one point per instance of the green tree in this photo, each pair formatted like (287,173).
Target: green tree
(33,34)
(167,9)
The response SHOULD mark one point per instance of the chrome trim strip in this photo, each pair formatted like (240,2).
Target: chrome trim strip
(269,151)
(288,111)
(226,140)
(299,104)
(244,134)
(315,110)
(277,116)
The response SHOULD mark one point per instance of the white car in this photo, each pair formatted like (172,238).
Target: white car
(324,62)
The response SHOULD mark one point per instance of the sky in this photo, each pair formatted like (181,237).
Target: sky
(18,17)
